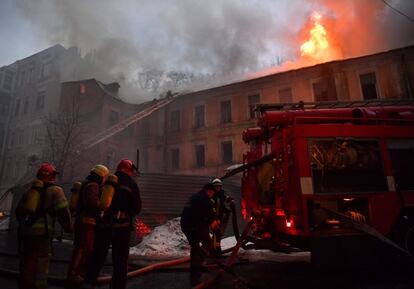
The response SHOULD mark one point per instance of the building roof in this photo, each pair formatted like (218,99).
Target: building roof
(299,69)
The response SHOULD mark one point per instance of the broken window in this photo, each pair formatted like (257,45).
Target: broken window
(225,111)
(285,95)
(324,90)
(199,116)
(200,156)
(253,100)
(369,85)
(175,120)
(227,152)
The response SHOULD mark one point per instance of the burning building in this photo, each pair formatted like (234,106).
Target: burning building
(200,132)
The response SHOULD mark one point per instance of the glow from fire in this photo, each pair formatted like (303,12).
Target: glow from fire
(317,44)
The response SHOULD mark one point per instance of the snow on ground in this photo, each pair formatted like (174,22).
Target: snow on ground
(165,241)
(168,241)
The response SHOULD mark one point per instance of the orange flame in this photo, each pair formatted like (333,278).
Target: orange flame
(317,45)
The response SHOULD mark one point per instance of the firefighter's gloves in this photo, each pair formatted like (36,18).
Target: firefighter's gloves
(215,225)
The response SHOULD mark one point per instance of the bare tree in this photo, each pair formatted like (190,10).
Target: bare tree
(64,131)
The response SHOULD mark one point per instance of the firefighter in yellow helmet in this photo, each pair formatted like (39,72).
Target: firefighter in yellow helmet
(37,211)
(87,211)
(114,228)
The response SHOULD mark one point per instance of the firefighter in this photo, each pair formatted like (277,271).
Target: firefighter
(220,200)
(88,209)
(37,212)
(197,219)
(115,227)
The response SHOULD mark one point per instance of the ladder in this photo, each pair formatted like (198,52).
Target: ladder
(103,135)
(334,104)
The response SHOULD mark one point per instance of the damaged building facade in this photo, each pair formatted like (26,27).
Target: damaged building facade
(35,91)
(200,133)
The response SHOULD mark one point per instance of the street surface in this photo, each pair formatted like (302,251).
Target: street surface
(282,271)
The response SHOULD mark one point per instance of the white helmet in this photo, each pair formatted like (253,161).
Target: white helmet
(217,182)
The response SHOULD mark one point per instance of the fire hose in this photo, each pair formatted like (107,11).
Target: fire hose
(365,228)
(210,281)
(165,264)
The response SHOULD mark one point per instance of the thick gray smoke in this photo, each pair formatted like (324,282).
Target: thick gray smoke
(222,37)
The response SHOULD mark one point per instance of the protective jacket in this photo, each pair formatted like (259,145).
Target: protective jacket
(36,232)
(126,202)
(89,209)
(198,212)
(52,204)
(114,228)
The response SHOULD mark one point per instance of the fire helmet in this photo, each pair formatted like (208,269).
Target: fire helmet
(126,165)
(217,182)
(100,170)
(46,170)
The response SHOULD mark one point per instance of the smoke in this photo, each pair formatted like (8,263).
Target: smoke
(228,38)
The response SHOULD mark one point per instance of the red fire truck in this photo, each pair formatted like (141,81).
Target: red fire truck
(334,180)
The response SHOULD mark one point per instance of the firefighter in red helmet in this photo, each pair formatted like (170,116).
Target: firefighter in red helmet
(115,227)
(88,210)
(36,212)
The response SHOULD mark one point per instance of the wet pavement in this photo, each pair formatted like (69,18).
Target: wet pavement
(288,271)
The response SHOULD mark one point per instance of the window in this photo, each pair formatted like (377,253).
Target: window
(175,159)
(40,100)
(11,140)
(199,116)
(22,77)
(324,89)
(17,169)
(285,95)
(175,120)
(369,85)
(26,106)
(36,135)
(31,77)
(46,70)
(354,168)
(200,156)
(113,117)
(402,158)
(225,111)
(17,107)
(227,152)
(252,101)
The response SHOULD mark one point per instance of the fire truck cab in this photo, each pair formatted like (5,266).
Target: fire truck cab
(311,165)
